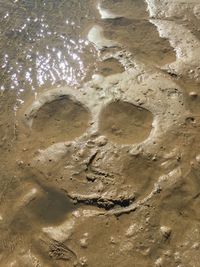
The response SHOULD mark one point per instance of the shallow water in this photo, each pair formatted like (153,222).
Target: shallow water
(43,43)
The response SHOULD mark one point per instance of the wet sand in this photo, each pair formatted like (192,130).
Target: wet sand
(99,133)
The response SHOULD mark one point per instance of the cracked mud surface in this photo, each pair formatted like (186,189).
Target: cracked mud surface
(99,133)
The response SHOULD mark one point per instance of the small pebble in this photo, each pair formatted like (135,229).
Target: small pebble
(81,153)
(193,94)
(101,141)
(20,163)
(67,144)
(83,243)
(165,231)
(168,253)
(131,230)
(196,245)
(159,262)
(83,261)
(198,158)
(112,240)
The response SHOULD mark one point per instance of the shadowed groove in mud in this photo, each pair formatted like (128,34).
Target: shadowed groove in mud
(60,120)
(125,123)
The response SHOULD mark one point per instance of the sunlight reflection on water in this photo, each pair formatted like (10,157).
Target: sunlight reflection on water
(43,43)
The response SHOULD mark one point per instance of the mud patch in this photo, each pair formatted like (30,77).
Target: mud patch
(109,66)
(141,173)
(125,123)
(60,120)
(134,31)
(136,9)
(51,208)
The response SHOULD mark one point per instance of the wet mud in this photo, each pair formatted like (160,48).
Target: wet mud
(117,125)
(99,133)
